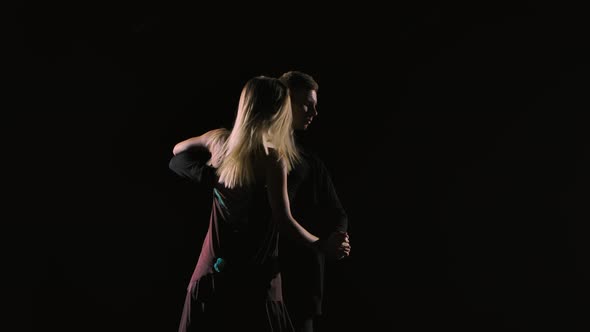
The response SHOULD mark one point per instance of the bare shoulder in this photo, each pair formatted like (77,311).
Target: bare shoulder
(272,157)
(271,162)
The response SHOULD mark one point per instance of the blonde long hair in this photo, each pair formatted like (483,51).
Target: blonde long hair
(263,121)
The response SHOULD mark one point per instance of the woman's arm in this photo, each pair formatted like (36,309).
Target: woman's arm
(276,181)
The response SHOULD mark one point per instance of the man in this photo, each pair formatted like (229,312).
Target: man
(315,205)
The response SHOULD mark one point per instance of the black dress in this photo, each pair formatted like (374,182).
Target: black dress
(236,284)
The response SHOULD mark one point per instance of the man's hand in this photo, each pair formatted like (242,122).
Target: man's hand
(337,245)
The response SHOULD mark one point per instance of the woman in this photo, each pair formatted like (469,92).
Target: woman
(236,283)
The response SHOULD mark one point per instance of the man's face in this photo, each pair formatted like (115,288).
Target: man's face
(304,105)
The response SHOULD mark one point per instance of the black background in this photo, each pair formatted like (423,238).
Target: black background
(455,134)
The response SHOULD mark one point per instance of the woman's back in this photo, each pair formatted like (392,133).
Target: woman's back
(236,284)
(237,274)
(242,236)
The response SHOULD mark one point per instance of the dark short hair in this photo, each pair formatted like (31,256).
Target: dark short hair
(296,80)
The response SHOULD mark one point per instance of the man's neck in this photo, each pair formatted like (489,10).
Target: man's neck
(300,136)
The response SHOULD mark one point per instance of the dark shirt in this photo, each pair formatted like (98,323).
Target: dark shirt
(316,206)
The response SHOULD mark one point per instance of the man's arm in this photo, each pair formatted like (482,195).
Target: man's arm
(276,181)
(331,211)
(191,164)
(193,157)
(331,208)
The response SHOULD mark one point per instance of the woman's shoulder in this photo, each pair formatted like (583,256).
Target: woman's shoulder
(270,159)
